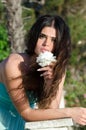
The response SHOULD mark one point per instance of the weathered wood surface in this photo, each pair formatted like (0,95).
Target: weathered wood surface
(59,124)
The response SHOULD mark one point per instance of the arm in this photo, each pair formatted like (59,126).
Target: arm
(56,102)
(21,102)
(47,73)
(19,97)
(78,114)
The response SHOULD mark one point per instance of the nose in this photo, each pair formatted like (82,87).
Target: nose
(46,42)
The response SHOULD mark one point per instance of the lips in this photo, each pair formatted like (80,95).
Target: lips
(44,49)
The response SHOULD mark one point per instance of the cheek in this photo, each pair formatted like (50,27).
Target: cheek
(39,44)
(52,48)
(37,49)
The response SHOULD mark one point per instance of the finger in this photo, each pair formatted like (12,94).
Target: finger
(46,73)
(45,69)
(82,121)
(48,77)
(52,64)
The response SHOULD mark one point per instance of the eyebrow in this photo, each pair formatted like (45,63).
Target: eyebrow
(47,35)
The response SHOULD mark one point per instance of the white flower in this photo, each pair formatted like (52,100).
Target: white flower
(45,58)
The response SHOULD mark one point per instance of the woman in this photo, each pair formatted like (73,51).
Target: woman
(24,82)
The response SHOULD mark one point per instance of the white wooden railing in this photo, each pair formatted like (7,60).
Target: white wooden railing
(59,124)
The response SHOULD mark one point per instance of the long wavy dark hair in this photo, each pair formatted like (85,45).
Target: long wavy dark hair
(62,49)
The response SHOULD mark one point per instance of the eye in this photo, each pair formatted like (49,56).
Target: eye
(42,36)
(53,39)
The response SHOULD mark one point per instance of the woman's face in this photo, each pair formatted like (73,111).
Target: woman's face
(46,40)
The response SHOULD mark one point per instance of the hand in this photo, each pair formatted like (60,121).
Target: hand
(47,71)
(78,114)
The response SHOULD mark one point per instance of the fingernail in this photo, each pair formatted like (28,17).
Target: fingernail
(41,75)
(38,69)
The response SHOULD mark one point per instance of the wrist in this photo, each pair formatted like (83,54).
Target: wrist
(69,112)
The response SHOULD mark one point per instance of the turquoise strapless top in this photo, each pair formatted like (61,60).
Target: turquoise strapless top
(9,117)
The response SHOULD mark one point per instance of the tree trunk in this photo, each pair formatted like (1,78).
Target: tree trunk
(15,25)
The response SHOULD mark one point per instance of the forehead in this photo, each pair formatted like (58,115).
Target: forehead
(49,31)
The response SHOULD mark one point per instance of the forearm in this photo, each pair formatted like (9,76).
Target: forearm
(45,114)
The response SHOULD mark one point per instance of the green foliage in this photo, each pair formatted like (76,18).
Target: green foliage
(4,48)
(52,6)
(2,12)
(76,92)
(72,2)
(77,26)
(28,17)
(1,7)
(54,3)
(74,55)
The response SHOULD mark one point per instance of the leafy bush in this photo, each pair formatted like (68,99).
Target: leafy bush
(4,47)
(76,92)
(77,25)
(28,18)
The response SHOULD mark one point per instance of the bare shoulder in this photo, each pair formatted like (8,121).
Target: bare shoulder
(14,58)
(12,65)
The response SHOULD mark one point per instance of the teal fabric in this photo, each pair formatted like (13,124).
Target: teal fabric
(9,117)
